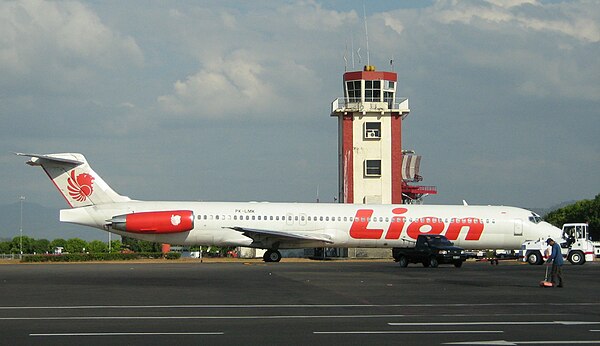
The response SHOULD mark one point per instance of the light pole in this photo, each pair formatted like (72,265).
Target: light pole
(21,199)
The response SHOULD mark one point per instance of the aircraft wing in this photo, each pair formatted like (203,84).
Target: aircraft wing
(257,234)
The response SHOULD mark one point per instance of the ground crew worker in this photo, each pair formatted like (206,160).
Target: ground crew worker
(557,262)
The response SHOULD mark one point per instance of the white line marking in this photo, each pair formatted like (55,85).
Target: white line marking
(567,323)
(536,342)
(275,306)
(124,334)
(191,317)
(415,332)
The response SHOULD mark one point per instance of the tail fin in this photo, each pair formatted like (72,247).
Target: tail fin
(75,179)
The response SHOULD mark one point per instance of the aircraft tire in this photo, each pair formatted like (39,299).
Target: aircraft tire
(272,256)
(458,264)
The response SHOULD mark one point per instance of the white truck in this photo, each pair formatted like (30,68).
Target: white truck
(575,245)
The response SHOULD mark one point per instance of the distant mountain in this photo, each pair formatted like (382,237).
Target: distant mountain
(42,223)
(543,211)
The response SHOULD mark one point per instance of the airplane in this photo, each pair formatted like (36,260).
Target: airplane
(275,226)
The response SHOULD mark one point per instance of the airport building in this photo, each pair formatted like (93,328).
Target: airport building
(373,167)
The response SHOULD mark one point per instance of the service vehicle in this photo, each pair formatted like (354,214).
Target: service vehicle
(575,245)
(431,250)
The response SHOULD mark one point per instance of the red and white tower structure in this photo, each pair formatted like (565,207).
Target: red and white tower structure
(372,165)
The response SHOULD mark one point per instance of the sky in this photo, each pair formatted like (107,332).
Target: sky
(231,100)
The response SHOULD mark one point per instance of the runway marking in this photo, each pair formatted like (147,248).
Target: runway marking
(566,323)
(536,342)
(415,332)
(124,334)
(256,317)
(277,306)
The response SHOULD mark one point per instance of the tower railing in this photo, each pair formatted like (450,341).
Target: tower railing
(350,104)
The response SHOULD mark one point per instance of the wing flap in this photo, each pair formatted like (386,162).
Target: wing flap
(289,236)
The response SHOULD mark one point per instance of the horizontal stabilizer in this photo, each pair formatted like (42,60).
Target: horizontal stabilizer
(50,158)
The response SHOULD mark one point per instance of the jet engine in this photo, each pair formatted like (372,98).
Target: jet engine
(170,221)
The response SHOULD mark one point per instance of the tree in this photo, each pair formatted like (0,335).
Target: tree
(5,247)
(41,246)
(26,241)
(75,245)
(97,246)
(58,242)
(115,246)
(141,245)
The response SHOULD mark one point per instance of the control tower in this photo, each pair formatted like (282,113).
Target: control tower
(373,168)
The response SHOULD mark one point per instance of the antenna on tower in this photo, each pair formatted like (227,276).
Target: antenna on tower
(346,59)
(366,34)
(352,41)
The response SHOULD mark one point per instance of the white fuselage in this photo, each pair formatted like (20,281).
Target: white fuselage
(345,225)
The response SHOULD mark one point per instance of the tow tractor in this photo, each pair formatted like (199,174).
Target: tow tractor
(575,246)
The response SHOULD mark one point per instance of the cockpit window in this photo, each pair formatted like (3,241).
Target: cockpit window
(535,218)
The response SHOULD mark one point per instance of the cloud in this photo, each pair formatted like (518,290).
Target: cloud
(529,48)
(59,44)
(232,86)
(311,16)
(484,80)
(570,20)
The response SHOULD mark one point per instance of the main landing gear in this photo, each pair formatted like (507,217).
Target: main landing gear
(272,256)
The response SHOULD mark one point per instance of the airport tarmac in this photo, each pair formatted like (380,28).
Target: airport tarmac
(296,303)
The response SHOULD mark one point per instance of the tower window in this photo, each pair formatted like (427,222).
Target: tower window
(372,168)
(388,97)
(372,91)
(372,130)
(354,89)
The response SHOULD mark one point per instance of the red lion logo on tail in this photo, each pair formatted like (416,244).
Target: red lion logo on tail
(80,188)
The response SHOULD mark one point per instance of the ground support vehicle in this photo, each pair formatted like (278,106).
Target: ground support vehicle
(575,245)
(431,250)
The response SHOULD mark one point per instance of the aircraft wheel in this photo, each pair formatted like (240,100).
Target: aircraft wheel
(534,257)
(433,262)
(403,262)
(577,258)
(272,256)
(458,264)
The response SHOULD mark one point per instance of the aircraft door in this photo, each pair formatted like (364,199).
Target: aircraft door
(302,219)
(518,227)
